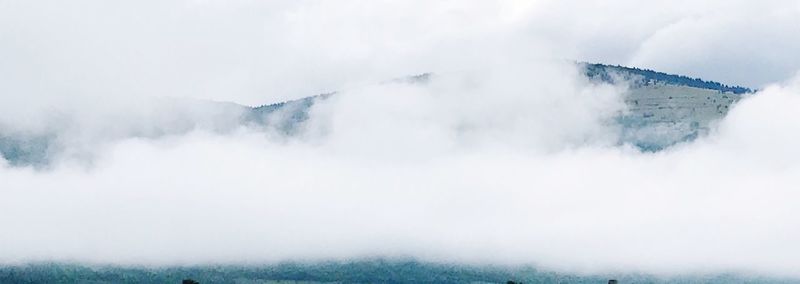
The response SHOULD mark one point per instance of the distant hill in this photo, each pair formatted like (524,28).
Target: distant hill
(645,76)
(663,110)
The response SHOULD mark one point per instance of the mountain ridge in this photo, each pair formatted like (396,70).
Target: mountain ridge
(603,72)
(663,110)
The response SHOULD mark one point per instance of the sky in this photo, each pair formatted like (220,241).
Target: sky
(507,157)
(255,52)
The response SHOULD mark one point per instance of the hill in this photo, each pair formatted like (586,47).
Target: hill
(662,110)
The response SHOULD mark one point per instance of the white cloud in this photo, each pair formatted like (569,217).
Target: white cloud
(504,158)
(736,42)
(397,183)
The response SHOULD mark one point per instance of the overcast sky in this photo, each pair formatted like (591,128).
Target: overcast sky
(254,52)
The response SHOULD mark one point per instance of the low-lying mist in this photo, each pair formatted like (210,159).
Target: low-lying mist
(508,156)
(502,168)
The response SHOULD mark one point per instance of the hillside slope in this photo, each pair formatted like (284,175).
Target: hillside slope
(665,109)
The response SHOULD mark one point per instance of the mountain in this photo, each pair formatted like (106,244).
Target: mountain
(663,110)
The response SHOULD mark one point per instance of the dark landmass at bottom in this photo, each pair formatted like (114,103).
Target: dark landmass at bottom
(364,271)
